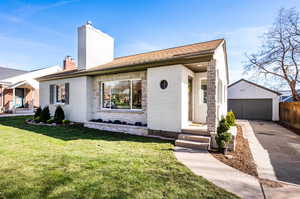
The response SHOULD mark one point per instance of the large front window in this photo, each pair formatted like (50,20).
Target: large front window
(125,94)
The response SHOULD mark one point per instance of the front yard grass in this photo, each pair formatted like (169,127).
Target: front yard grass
(75,162)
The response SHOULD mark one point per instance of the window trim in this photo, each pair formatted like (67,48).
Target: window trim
(101,86)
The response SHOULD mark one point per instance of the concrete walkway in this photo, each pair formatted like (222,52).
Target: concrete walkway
(275,151)
(202,163)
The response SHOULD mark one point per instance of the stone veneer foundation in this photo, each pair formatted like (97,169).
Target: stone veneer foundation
(120,128)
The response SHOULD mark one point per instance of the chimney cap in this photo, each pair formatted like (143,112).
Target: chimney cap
(89,23)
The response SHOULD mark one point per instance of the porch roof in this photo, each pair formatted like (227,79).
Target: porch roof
(17,84)
(179,55)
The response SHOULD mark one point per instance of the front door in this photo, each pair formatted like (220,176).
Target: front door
(19,93)
(190,96)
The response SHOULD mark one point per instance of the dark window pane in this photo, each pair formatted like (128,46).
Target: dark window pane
(204,90)
(136,94)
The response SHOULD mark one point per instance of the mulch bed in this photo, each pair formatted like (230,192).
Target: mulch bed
(241,159)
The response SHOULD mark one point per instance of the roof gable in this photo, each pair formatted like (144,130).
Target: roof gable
(254,84)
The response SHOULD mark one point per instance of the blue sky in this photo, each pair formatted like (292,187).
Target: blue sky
(36,34)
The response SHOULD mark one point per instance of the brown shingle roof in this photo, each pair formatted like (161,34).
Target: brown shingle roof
(160,55)
(148,57)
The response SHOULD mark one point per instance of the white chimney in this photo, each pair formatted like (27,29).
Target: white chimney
(94,47)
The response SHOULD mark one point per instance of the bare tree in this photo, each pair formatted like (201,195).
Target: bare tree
(279,55)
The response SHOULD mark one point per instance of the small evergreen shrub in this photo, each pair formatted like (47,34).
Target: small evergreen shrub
(99,120)
(66,122)
(37,112)
(223,126)
(117,122)
(138,124)
(223,136)
(59,115)
(45,114)
(50,121)
(230,117)
(37,119)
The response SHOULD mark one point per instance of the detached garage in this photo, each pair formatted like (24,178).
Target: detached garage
(251,101)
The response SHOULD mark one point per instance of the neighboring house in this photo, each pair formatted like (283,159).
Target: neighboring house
(165,90)
(286,95)
(249,100)
(9,72)
(20,92)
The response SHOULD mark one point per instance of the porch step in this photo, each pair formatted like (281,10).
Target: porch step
(192,144)
(196,138)
(202,132)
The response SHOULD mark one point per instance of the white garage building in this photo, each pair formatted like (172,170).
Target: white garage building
(249,100)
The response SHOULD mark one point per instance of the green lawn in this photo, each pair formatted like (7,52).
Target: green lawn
(59,162)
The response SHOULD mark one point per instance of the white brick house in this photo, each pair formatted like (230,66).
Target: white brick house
(166,91)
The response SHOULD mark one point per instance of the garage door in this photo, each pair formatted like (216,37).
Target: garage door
(251,109)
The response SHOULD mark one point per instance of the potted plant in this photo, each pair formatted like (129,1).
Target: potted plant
(223,136)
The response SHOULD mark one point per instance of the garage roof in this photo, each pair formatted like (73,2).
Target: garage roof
(257,85)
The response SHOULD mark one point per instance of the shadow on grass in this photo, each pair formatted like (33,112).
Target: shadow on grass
(74,132)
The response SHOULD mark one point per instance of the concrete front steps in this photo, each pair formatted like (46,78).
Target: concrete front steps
(194,141)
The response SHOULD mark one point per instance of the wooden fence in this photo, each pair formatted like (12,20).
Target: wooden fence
(289,113)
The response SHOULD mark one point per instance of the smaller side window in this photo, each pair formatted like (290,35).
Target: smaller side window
(204,91)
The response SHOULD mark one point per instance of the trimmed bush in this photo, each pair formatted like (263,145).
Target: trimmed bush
(45,114)
(117,122)
(138,124)
(59,114)
(230,117)
(66,122)
(50,121)
(223,137)
(37,112)
(223,126)
(37,119)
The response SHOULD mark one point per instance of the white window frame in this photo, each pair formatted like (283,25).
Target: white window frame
(110,109)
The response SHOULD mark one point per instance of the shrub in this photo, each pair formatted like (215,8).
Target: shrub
(45,114)
(99,120)
(59,115)
(66,122)
(37,112)
(138,124)
(230,117)
(37,119)
(50,121)
(117,122)
(223,126)
(223,137)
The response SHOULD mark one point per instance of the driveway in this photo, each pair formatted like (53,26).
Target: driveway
(283,148)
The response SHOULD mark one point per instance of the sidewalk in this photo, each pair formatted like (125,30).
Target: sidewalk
(202,163)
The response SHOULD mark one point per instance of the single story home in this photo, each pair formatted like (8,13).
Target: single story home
(19,92)
(163,91)
(251,101)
